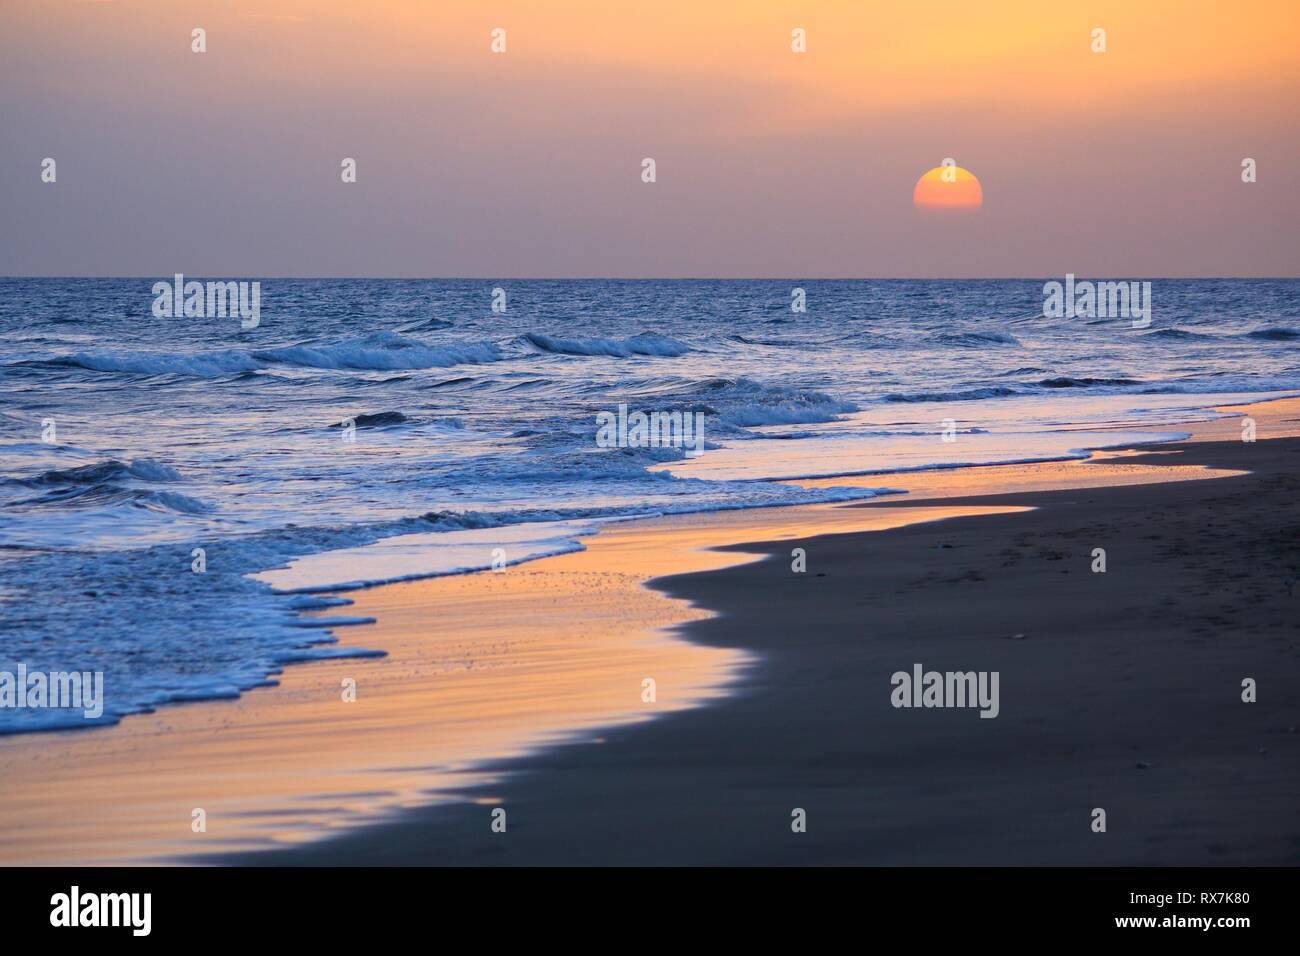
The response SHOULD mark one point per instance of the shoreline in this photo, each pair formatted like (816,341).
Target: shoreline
(1130,702)
(732,549)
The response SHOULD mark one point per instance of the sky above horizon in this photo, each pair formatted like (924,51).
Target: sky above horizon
(528,163)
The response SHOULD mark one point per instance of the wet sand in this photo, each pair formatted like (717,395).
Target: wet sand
(524,690)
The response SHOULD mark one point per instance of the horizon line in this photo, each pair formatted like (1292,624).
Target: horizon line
(602,278)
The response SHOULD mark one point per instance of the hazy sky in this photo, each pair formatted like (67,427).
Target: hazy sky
(528,163)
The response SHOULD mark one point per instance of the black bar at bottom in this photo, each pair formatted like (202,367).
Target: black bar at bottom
(305,905)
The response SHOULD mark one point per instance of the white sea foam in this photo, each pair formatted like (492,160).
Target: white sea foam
(408,557)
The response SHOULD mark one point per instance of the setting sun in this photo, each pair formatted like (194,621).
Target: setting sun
(948,187)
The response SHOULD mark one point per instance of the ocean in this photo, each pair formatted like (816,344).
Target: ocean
(174,490)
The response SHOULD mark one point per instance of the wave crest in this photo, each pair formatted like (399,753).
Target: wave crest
(380,352)
(644,343)
(1275,333)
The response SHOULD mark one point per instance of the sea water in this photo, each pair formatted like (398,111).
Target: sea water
(173,489)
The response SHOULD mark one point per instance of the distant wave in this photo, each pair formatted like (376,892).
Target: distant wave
(202,364)
(460,380)
(381,351)
(966,395)
(742,402)
(1176,334)
(428,325)
(975,339)
(107,483)
(1190,386)
(772,343)
(745,403)
(144,469)
(1276,333)
(1066,381)
(646,343)
(752,403)
(746,416)
(376,420)
(378,351)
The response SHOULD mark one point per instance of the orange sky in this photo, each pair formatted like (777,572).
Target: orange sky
(528,163)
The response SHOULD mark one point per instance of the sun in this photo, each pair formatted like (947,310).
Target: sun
(948,187)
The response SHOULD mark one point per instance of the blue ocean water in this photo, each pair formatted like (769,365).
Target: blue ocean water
(475,433)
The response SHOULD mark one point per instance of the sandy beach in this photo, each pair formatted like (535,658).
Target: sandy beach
(525,691)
